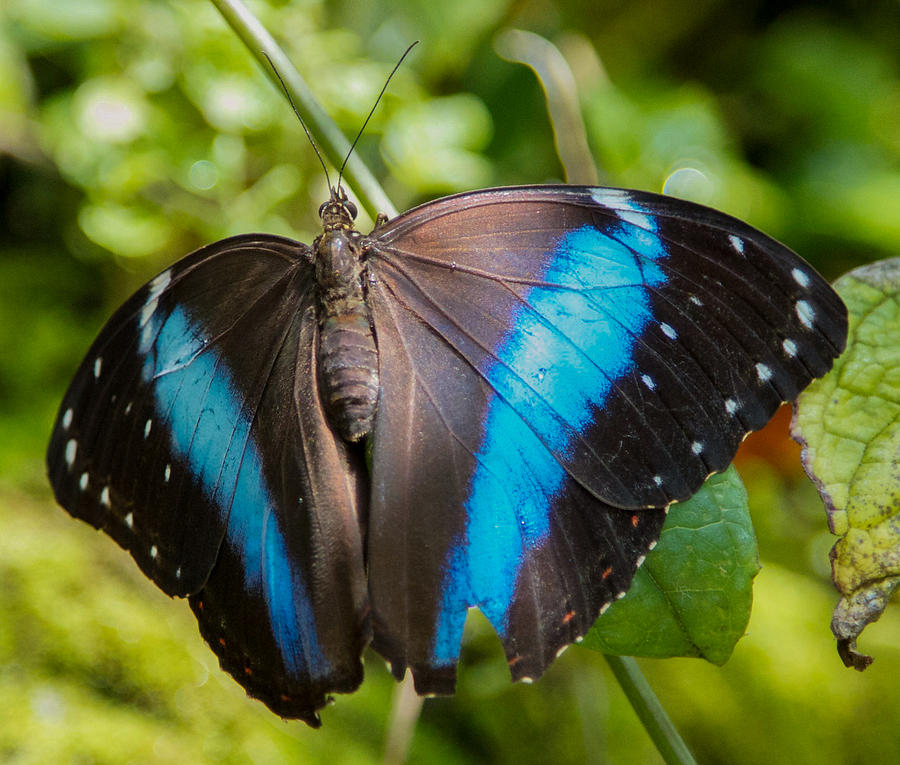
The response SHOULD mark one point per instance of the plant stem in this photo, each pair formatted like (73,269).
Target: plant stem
(332,142)
(651,713)
(406,707)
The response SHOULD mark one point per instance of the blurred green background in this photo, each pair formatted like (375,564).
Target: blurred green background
(132,131)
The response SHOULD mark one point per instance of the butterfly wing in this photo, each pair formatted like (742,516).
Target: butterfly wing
(554,359)
(468,508)
(193,435)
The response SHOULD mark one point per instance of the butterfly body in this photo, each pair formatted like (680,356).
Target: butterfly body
(347,351)
(537,372)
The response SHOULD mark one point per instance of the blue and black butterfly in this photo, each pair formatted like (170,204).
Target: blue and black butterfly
(536,372)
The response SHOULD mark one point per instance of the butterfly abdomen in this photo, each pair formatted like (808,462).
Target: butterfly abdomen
(348,358)
(348,368)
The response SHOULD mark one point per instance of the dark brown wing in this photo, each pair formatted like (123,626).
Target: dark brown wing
(194,436)
(548,355)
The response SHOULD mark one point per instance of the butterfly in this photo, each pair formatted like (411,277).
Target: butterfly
(488,401)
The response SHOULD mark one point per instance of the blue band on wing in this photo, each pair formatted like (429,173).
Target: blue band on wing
(555,367)
(210,430)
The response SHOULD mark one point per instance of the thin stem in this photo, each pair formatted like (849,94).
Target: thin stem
(406,706)
(332,142)
(561,91)
(651,713)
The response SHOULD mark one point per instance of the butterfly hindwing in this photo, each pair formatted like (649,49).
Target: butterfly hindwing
(194,436)
(469,508)
(295,554)
(612,349)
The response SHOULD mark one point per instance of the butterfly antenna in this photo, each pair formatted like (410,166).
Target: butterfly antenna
(306,129)
(374,107)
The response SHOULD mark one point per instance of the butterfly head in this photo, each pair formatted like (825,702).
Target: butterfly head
(338,212)
(337,255)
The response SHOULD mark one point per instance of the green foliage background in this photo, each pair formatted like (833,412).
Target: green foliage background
(133,131)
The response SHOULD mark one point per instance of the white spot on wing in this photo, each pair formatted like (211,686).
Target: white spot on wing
(668,331)
(129,520)
(104,497)
(604,196)
(648,381)
(67,419)
(616,200)
(147,311)
(83,481)
(731,406)
(127,408)
(695,300)
(146,337)
(634,218)
(159,283)
(657,479)
(178,573)
(98,366)
(71,451)
(800,277)
(696,447)
(153,551)
(168,473)
(150,306)
(147,426)
(806,313)
(763,372)
(148,328)
(737,243)
(790,347)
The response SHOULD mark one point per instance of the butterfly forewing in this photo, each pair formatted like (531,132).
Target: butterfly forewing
(285,606)
(673,325)
(125,438)
(613,348)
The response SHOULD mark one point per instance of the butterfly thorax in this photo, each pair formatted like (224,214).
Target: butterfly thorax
(348,359)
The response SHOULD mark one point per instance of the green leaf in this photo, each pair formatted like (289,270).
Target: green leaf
(849,425)
(693,594)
